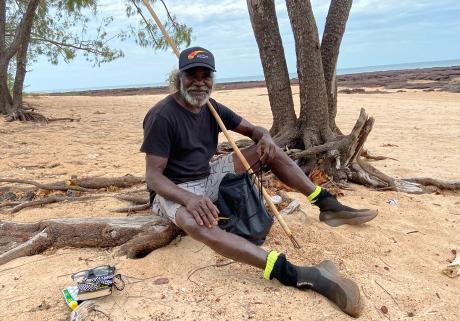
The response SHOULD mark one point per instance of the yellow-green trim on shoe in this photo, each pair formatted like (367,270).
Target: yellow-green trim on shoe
(313,195)
(271,259)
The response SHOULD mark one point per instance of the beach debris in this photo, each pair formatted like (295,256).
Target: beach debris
(392,201)
(453,269)
(89,310)
(319,177)
(161,281)
(291,208)
(276,199)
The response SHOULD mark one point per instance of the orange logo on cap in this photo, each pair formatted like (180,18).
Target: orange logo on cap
(194,53)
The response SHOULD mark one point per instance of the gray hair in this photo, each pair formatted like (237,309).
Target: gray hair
(174,81)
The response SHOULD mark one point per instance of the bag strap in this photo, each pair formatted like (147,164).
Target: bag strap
(258,174)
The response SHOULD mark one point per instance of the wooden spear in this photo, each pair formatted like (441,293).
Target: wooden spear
(237,151)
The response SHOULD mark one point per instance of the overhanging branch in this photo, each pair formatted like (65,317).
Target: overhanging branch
(79,46)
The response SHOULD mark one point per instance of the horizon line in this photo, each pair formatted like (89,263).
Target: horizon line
(354,70)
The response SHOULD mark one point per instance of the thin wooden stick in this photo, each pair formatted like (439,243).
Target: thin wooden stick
(237,151)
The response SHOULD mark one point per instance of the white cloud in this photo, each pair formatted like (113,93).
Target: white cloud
(201,9)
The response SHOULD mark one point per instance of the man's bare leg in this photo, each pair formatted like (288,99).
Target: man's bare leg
(226,244)
(332,212)
(282,166)
(322,278)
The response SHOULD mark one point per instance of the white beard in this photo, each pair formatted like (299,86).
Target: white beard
(194,101)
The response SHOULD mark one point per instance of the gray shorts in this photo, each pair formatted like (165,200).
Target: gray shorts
(208,186)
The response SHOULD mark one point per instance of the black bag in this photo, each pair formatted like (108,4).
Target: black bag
(242,204)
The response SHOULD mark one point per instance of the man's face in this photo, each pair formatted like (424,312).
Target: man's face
(196,85)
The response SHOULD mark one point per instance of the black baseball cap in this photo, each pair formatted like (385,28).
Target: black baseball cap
(196,57)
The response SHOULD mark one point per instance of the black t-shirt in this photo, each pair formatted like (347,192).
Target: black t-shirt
(187,139)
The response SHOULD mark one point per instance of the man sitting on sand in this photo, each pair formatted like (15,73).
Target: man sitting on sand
(180,137)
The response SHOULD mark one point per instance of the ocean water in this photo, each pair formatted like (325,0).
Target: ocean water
(340,71)
(356,70)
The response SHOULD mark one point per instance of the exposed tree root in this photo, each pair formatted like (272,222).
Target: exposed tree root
(63,119)
(341,159)
(427,181)
(137,236)
(73,189)
(27,112)
(9,204)
(26,115)
(225,147)
(52,199)
(368,155)
(136,199)
(85,184)
(133,209)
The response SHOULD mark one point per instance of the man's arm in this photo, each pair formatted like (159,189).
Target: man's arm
(266,147)
(202,209)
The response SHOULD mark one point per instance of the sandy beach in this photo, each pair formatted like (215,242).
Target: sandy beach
(396,259)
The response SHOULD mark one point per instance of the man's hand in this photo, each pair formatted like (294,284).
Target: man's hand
(203,210)
(266,148)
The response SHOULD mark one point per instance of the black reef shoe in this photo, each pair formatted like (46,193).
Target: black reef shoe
(325,279)
(335,214)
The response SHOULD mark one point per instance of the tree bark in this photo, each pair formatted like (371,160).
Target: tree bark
(313,116)
(265,25)
(334,30)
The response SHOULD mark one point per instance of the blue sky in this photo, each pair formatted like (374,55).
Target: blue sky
(378,33)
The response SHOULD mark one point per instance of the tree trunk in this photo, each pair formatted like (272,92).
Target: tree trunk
(265,26)
(333,33)
(5,97)
(313,118)
(21,64)
(10,105)
(6,101)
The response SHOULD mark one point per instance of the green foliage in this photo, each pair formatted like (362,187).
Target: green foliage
(63,29)
(149,35)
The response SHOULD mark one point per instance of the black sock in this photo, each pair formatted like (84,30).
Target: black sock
(327,202)
(284,271)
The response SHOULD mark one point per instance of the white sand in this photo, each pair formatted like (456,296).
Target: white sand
(393,268)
